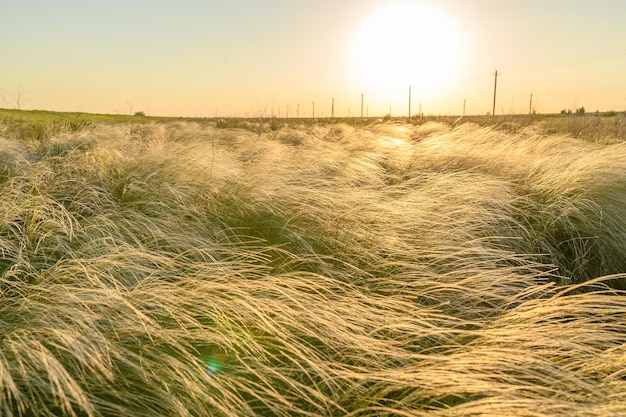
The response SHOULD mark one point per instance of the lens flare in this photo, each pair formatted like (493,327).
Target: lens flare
(214,358)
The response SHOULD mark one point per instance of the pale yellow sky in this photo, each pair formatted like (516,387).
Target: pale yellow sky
(253,58)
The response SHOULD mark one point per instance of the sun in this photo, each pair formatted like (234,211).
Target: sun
(405,44)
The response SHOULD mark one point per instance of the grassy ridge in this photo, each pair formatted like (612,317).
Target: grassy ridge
(179,269)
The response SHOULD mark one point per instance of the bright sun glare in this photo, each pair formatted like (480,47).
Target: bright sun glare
(406,44)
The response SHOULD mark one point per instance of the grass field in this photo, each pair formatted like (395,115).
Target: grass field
(392,269)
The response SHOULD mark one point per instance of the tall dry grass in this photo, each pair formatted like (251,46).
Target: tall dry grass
(183,270)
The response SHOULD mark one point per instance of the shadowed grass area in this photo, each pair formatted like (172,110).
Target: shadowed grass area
(393,269)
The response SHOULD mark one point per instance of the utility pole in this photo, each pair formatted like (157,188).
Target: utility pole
(361,105)
(314,110)
(409,102)
(495,86)
(332,108)
(530,106)
(464,107)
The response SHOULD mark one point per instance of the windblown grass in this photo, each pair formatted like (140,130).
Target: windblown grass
(184,270)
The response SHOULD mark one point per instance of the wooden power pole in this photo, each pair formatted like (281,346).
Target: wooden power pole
(495,86)
(361,105)
(409,102)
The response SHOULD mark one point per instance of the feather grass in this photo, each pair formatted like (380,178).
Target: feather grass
(179,269)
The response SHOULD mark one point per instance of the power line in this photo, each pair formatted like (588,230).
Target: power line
(596,58)
(572,63)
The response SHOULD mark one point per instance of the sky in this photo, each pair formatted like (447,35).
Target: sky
(262,58)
